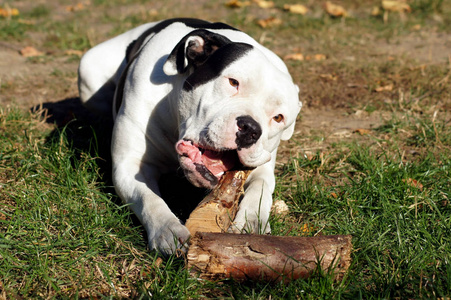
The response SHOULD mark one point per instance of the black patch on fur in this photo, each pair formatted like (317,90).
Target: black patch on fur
(196,54)
(215,64)
(134,47)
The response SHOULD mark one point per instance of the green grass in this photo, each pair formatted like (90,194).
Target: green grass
(395,205)
(65,234)
(13,29)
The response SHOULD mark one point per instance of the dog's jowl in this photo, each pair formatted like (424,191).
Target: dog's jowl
(194,96)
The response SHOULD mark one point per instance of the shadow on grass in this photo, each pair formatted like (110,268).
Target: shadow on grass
(90,133)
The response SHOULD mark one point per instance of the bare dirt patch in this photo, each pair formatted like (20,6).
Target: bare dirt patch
(424,47)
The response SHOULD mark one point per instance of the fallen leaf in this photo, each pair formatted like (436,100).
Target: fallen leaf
(307,228)
(265,4)
(158,262)
(153,13)
(296,8)
(237,4)
(396,6)
(269,22)
(77,7)
(413,183)
(385,88)
(334,195)
(376,11)
(317,57)
(73,52)
(328,77)
(362,131)
(294,56)
(335,10)
(30,52)
(416,27)
(8,12)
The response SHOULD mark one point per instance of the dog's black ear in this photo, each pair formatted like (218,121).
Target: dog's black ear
(193,50)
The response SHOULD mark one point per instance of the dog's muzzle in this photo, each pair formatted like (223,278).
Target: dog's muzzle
(204,165)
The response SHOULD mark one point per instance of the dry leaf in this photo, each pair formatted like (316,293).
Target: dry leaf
(265,4)
(30,52)
(413,183)
(307,228)
(385,88)
(296,8)
(395,5)
(237,4)
(362,131)
(294,56)
(334,195)
(376,11)
(77,7)
(416,27)
(74,52)
(269,22)
(335,10)
(153,13)
(8,12)
(328,77)
(158,262)
(317,57)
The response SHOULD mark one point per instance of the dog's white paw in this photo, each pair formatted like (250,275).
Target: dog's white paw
(246,222)
(170,238)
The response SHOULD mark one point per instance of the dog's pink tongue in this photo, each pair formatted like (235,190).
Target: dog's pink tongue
(218,162)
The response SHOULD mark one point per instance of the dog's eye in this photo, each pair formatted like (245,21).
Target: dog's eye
(234,83)
(278,118)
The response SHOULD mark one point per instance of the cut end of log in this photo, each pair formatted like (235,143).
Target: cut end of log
(218,209)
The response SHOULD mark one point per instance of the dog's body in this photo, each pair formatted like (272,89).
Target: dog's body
(190,94)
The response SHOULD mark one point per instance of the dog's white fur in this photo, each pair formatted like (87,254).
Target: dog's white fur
(158,116)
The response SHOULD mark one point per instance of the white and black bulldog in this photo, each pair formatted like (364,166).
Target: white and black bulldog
(192,95)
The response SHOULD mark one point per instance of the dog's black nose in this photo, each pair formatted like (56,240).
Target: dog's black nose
(249,131)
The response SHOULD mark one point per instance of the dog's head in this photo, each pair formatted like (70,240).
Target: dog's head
(235,106)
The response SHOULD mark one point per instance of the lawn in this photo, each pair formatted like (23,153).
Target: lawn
(370,157)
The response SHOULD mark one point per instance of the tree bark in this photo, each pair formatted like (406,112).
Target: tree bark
(215,256)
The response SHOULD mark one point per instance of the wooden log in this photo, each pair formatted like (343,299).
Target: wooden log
(217,210)
(215,256)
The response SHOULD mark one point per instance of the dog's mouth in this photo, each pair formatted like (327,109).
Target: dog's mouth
(208,163)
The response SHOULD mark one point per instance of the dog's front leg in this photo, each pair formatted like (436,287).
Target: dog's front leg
(255,207)
(137,184)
